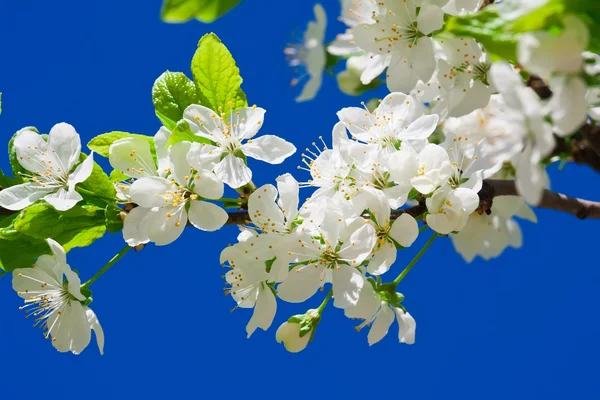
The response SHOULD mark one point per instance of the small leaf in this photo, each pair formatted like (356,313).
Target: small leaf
(183,133)
(6,181)
(216,75)
(172,93)
(112,218)
(177,11)
(488,29)
(101,143)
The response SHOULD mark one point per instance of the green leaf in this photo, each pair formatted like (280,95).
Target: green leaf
(7,227)
(177,11)
(101,143)
(117,176)
(6,181)
(488,29)
(183,133)
(41,221)
(216,75)
(112,218)
(172,93)
(21,253)
(98,183)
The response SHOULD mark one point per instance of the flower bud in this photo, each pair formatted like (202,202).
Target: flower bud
(298,331)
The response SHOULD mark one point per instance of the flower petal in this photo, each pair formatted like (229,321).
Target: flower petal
(165,225)
(249,120)
(430,18)
(65,142)
(208,185)
(288,195)
(204,122)
(97,328)
(359,246)
(149,192)
(405,230)
(20,196)
(407,326)
(264,311)
(347,283)
(233,171)
(63,200)
(381,325)
(132,157)
(383,259)
(207,216)
(301,284)
(82,172)
(269,148)
(133,234)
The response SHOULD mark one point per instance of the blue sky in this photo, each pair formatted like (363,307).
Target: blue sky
(522,326)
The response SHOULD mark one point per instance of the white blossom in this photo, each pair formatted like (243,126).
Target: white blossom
(56,305)
(228,133)
(310,55)
(50,164)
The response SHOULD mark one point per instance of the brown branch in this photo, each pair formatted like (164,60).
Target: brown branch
(580,208)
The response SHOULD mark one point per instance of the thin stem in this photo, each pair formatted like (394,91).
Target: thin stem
(424,227)
(325,301)
(106,267)
(90,193)
(414,260)
(232,200)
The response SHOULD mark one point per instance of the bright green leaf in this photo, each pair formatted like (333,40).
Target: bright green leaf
(21,253)
(488,29)
(117,176)
(112,218)
(177,11)
(98,183)
(172,93)
(216,75)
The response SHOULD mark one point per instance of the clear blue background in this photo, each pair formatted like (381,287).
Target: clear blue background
(522,326)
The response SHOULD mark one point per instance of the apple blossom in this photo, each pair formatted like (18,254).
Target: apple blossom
(50,164)
(310,54)
(225,158)
(56,304)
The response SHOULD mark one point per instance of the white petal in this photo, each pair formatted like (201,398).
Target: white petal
(311,88)
(74,285)
(381,325)
(204,122)
(160,144)
(347,283)
(65,142)
(431,18)
(149,192)
(20,196)
(207,216)
(288,194)
(422,128)
(264,312)
(208,185)
(133,234)
(301,284)
(63,200)
(180,167)
(377,64)
(359,246)
(405,230)
(57,250)
(407,325)
(161,228)
(249,121)
(401,75)
(233,171)
(269,148)
(97,328)
(204,156)
(80,333)
(383,259)
(29,147)
(82,172)
(132,157)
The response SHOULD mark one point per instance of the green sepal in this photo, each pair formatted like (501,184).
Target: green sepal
(87,293)
(269,264)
